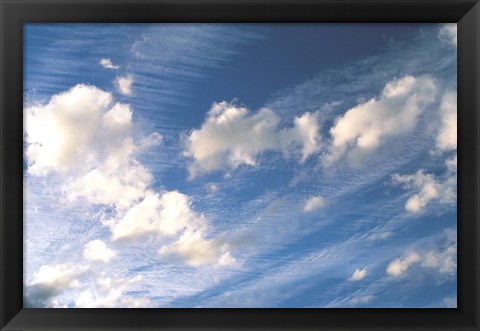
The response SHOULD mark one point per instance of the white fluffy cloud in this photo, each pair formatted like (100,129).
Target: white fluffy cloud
(97,250)
(428,188)
(448,33)
(232,136)
(169,215)
(364,128)
(443,259)
(119,185)
(51,280)
(107,63)
(195,250)
(71,129)
(399,266)
(82,133)
(124,84)
(313,204)
(110,293)
(447,134)
(426,185)
(358,274)
(165,214)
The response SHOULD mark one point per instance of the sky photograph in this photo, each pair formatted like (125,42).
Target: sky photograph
(240,165)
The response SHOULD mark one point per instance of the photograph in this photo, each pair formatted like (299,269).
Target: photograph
(239,165)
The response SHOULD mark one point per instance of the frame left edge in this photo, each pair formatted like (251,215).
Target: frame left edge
(11,160)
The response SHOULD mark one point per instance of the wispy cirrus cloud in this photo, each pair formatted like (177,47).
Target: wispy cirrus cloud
(358,274)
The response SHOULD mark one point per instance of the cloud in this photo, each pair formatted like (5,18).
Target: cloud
(399,266)
(429,188)
(50,281)
(366,127)
(124,85)
(96,250)
(165,214)
(313,204)
(169,215)
(71,130)
(426,185)
(110,293)
(448,33)
(361,299)
(380,235)
(83,134)
(107,63)
(358,274)
(442,259)
(84,127)
(303,133)
(232,136)
(211,188)
(447,134)
(119,185)
(195,250)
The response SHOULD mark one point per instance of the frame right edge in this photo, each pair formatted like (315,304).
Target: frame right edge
(469,166)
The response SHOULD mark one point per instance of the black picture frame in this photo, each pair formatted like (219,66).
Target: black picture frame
(15,13)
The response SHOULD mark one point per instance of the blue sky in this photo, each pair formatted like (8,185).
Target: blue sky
(240,165)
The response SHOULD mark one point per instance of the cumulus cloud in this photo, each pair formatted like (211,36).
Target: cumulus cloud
(170,215)
(65,132)
(195,250)
(82,133)
(426,185)
(442,259)
(313,204)
(163,214)
(107,63)
(110,293)
(366,127)
(399,266)
(97,250)
(428,188)
(447,134)
(83,126)
(124,85)
(50,281)
(358,274)
(448,33)
(232,136)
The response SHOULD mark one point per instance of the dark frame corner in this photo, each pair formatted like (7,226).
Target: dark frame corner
(15,13)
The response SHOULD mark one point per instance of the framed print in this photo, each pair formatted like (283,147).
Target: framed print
(240,165)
